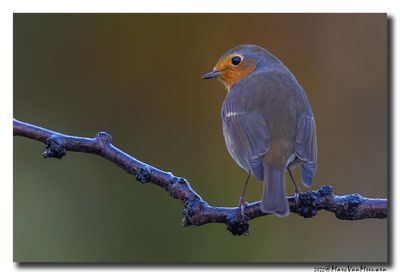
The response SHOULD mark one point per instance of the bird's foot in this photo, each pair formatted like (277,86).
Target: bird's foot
(242,206)
(297,191)
(297,194)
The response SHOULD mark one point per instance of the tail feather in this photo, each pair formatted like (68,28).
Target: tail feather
(273,199)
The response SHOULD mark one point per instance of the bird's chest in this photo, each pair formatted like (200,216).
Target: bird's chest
(237,104)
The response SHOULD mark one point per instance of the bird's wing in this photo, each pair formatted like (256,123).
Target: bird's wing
(247,138)
(306,147)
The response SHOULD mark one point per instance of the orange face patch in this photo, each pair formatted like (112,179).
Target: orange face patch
(233,73)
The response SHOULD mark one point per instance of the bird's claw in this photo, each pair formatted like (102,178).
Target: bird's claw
(297,191)
(242,207)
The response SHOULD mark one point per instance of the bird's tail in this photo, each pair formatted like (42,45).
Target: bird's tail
(273,199)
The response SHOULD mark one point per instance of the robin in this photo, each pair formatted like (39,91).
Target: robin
(268,123)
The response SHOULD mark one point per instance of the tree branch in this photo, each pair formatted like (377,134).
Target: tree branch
(197,211)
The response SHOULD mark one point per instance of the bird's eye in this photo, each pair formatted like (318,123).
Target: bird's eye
(236,60)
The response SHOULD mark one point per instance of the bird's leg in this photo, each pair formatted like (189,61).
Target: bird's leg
(297,189)
(242,201)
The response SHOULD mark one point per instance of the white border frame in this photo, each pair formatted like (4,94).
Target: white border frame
(8,7)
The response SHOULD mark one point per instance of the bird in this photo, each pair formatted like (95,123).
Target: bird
(268,124)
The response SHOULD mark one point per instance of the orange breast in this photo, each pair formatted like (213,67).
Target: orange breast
(231,73)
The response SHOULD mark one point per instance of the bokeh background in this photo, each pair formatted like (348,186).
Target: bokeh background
(138,77)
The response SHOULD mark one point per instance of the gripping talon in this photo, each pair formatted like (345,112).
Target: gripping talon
(242,207)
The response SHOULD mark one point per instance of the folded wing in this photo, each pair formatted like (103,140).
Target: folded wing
(247,138)
(306,147)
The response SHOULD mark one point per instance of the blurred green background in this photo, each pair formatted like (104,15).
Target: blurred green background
(138,77)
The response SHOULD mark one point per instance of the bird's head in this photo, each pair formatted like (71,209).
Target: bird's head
(236,64)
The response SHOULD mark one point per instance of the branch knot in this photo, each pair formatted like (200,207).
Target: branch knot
(103,137)
(179,180)
(308,204)
(144,175)
(238,226)
(54,148)
(194,212)
(325,190)
(350,207)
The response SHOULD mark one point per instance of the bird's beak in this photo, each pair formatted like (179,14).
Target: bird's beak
(212,74)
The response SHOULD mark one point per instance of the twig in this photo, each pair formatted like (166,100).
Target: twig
(197,211)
